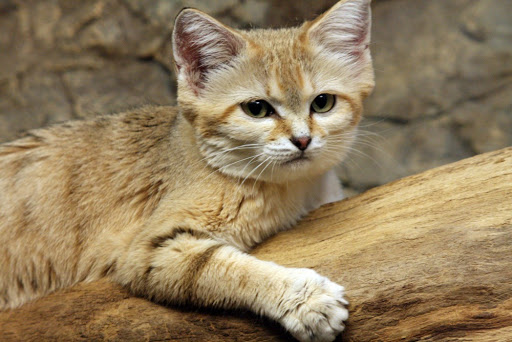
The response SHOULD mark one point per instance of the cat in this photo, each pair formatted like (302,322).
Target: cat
(167,201)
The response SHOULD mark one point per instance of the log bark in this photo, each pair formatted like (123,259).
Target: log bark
(428,258)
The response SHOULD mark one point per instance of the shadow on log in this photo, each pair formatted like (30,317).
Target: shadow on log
(428,258)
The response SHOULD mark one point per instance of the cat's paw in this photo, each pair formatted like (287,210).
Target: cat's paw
(314,307)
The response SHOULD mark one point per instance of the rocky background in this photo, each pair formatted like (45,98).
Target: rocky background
(443,71)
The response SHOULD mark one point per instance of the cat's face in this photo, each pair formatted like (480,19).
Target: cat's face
(274,105)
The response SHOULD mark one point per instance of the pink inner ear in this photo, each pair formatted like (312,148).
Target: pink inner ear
(187,54)
(201,45)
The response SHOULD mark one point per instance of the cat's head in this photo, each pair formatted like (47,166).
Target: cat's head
(276,105)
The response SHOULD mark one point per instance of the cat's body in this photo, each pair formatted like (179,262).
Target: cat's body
(115,179)
(166,200)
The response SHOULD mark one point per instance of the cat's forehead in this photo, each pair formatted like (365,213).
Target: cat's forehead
(278,45)
(284,61)
(272,36)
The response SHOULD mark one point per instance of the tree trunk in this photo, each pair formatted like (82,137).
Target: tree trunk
(428,258)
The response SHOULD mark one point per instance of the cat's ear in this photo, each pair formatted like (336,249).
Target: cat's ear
(344,30)
(202,44)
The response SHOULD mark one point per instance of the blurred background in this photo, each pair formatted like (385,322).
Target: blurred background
(443,71)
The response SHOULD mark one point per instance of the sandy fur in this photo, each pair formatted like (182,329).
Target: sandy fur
(167,200)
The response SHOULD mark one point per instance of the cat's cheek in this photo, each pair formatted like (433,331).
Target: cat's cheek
(241,128)
(334,123)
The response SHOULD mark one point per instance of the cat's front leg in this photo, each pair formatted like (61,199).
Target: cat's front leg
(184,266)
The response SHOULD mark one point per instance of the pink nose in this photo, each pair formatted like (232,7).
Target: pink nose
(301,142)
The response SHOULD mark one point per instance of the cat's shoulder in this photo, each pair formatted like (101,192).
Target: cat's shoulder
(148,116)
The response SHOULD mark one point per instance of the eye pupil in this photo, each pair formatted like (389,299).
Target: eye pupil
(255,107)
(321,100)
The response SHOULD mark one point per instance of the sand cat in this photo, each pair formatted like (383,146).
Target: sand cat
(168,200)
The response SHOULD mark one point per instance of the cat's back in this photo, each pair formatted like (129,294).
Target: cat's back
(131,129)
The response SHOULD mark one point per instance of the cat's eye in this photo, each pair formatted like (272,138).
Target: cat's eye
(323,103)
(258,108)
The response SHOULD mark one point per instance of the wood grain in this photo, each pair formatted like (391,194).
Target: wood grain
(425,258)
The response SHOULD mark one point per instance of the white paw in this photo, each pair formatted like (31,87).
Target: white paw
(314,307)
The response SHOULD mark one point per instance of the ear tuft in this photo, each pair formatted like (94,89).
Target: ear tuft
(344,30)
(202,44)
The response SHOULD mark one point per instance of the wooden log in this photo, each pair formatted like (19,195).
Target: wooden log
(428,258)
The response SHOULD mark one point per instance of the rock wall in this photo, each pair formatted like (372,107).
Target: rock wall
(443,71)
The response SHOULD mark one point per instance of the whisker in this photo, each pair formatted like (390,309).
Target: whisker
(363,154)
(233,163)
(272,171)
(250,173)
(220,153)
(249,162)
(261,173)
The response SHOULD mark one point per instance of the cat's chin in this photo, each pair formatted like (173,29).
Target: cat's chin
(297,162)
(295,169)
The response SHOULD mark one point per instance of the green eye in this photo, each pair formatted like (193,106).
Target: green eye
(258,108)
(323,103)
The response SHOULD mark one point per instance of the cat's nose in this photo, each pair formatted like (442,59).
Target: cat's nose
(301,142)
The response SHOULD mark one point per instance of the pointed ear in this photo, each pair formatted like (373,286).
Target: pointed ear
(201,44)
(344,30)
